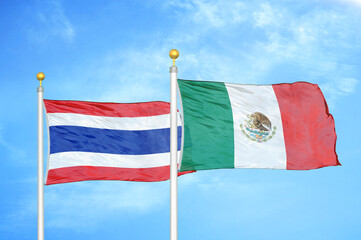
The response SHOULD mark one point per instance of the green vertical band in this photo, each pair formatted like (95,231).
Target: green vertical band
(208,126)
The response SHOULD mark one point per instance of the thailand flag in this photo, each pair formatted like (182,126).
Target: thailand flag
(108,141)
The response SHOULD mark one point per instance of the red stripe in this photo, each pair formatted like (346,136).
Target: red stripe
(83,173)
(108,109)
(308,127)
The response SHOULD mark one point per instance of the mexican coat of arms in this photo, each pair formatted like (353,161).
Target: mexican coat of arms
(258,128)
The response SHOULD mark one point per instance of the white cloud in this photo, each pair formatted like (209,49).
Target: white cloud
(13,151)
(338,87)
(84,205)
(313,44)
(211,13)
(22,215)
(267,16)
(356,3)
(135,75)
(123,75)
(304,40)
(53,22)
(348,85)
(231,42)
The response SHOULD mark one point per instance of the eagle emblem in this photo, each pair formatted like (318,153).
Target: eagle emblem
(258,128)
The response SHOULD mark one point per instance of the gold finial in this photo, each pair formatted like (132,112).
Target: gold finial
(173,54)
(40,76)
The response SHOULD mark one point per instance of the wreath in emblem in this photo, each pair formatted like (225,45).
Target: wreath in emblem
(258,128)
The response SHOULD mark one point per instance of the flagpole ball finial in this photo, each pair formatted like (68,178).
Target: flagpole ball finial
(40,76)
(173,54)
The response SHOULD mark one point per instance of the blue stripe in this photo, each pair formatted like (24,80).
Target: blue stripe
(85,139)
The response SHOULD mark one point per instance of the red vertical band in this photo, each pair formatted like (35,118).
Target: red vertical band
(308,127)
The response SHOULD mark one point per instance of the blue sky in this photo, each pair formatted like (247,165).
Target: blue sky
(118,51)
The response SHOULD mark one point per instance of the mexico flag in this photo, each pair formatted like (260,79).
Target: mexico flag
(282,126)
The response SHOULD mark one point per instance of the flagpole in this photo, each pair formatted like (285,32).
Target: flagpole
(40,76)
(173,148)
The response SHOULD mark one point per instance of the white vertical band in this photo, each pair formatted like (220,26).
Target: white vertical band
(40,91)
(250,153)
(173,154)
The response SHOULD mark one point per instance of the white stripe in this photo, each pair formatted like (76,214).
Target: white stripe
(246,100)
(73,159)
(119,123)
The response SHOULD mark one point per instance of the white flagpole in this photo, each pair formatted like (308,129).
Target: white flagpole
(40,76)
(173,148)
